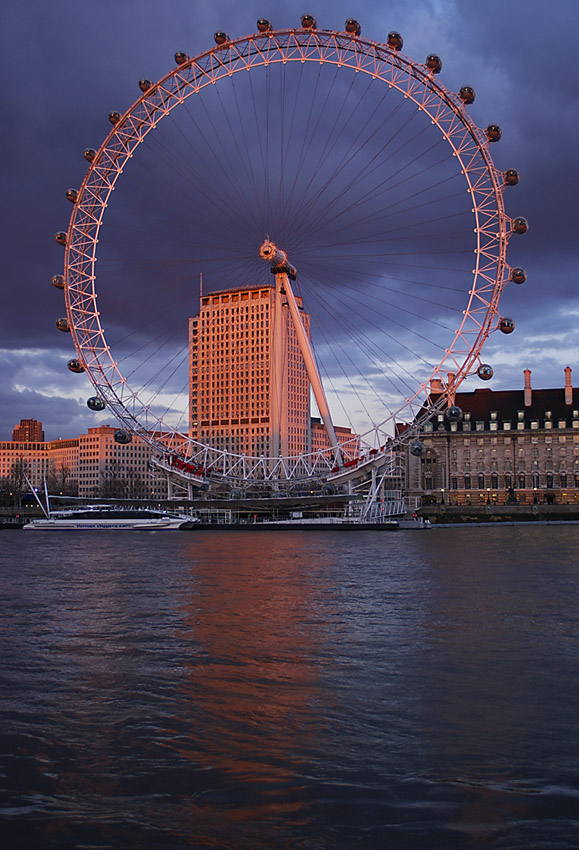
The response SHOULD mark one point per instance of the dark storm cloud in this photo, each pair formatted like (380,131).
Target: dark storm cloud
(32,388)
(70,63)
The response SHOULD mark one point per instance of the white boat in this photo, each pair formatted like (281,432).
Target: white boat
(105,517)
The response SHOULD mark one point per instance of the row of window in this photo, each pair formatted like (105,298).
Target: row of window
(519,481)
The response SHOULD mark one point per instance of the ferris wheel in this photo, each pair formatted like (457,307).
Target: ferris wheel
(348,171)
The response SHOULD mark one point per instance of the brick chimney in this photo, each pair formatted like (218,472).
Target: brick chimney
(451,390)
(528,394)
(568,386)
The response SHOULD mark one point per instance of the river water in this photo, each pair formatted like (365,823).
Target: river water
(242,690)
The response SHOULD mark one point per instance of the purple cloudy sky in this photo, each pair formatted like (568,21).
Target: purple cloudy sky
(68,63)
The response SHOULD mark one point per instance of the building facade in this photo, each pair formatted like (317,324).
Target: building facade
(114,470)
(20,459)
(345,436)
(93,464)
(28,431)
(511,446)
(249,391)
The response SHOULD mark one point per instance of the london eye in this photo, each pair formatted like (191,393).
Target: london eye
(385,215)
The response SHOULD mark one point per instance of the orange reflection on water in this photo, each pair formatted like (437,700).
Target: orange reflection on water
(253,628)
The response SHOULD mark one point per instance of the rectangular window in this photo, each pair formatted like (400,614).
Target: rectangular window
(480,426)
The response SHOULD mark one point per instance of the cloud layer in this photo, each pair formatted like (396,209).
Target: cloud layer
(70,66)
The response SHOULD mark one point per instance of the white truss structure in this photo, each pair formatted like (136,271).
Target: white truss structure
(415,82)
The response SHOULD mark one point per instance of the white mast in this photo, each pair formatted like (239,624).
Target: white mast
(279,263)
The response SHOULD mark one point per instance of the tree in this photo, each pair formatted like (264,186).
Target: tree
(112,484)
(17,481)
(59,481)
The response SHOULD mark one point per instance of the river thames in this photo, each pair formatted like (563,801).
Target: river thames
(244,690)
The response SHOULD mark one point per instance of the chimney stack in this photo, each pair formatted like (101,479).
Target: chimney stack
(528,394)
(451,390)
(568,386)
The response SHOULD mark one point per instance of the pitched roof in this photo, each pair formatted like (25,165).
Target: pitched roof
(507,403)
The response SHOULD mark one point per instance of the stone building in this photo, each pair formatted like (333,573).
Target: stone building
(345,436)
(249,389)
(28,431)
(110,469)
(92,464)
(511,446)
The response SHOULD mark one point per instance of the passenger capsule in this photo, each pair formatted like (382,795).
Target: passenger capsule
(95,403)
(60,237)
(221,38)
(485,372)
(518,275)
(511,177)
(434,63)
(506,325)
(519,225)
(90,154)
(57,280)
(454,413)
(309,22)
(395,40)
(75,366)
(263,25)
(72,195)
(417,448)
(123,437)
(493,133)
(62,325)
(467,95)
(353,26)
(114,117)
(145,85)
(181,58)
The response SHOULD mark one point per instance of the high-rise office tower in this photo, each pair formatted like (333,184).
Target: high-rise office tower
(28,431)
(249,389)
